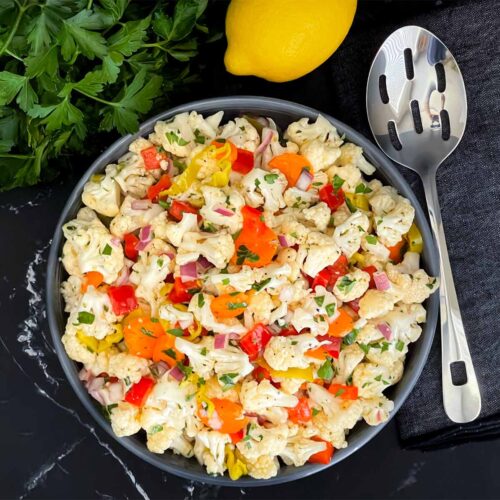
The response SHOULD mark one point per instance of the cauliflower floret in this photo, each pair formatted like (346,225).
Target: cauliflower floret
(341,215)
(374,248)
(322,252)
(102,194)
(209,450)
(263,441)
(90,247)
(131,175)
(226,199)
(213,389)
(240,282)
(319,215)
(350,154)
(206,318)
(326,428)
(295,259)
(125,419)
(320,155)
(75,350)
(199,360)
(216,248)
(241,133)
(130,219)
(300,448)
(349,357)
(350,174)
(181,134)
(403,321)
(372,379)
(264,467)
(348,235)
(282,353)
(294,231)
(259,309)
(148,274)
(123,365)
(375,303)
(259,397)
(161,439)
(302,131)
(174,316)
(383,199)
(264,188)
(409,265)
(71,291)
(392,226)
(93,316)
(376,410)
(352,285)
(412,288)
(289,385)
(274,148)
(174,231)
(297,198)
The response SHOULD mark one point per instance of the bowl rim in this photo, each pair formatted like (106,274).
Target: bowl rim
(270,105)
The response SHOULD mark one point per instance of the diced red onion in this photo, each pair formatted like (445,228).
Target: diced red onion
(381,281)
(265,142)
(305,179)
(233,336)
(140,204)
(113,393)
(203,264)
(84,375)
(115,241)
(283,241)
(188,271)
(123,276)
(159,369)
(145,237)
(385,330)
(354,305)
(176,374)
(224,211)
(220,341)
(169,164)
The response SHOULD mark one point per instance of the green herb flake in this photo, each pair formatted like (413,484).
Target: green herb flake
(262,284)
(147,332)
(330,309)
(160,262)
(371,239)
(155,429)
(107,250)
(362,189)
(350,206)
(231,306)
(364,347)
(315,411)
(346,284)
(177,332)
(227,380)
(170,353)
(339,392)
(199,138)
(165,204)
(243,253)
(350,338)
(337,182)
(204,351)
(172,138)
(400,345)
(319,300)
(326,371)
(85,318)
(385,346)
(201,300)
(270,178)
(226,281)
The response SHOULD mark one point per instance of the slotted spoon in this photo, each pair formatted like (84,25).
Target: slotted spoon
(417,109)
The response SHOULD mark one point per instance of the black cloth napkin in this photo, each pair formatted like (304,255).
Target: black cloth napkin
(469,189)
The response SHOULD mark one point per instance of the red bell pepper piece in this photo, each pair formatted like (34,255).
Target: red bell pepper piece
(301,413)
(131,241)
(152,158)
(255,340)
(236,437)
(333,198)
(260,373)
(155,190)
(181,292)
(322,457)
(244,161)
(178,208)
(347,392)
(333,346)
(330,274)
(139,392)
(354,305)
(288,331)
(370,270)
(122,299)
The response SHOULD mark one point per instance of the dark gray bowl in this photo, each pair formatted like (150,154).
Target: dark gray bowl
(283,112)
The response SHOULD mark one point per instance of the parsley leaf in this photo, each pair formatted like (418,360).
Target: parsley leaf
(326,371)
(262,284)
(371,239)
(319,300)
(201,300)
(86,318)
(337,182)
(346,284)
(227,380)
(107,250)
(270,178)
(243,253)
(177,332)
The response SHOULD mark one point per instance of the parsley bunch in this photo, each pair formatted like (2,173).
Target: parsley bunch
(72,68)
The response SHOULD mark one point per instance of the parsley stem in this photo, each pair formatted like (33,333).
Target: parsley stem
(17,157)
(15,56)
(13,31)
(98,99)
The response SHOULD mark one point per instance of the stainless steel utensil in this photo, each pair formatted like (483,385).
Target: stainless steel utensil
(417,109)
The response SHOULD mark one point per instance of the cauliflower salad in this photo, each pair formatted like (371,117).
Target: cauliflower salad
(241,295)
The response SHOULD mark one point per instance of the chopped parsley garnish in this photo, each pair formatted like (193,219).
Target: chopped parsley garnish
(337,182)
(350,206)
(201,300)
(227,380)
(200,382)
(362,189)
(257,183)
(107,410)
(155,429)
(372,240)
(270,178)
(236,305)
(346,284)
(400,345)
(165,204)
(319,300)
(326,371)
(107,250)
(243,253)
(160,262)
(86,318)
(364,347)
(147,332)
(339,392)
(199,138)
(204,351)
(208,227)
(317,184)
(294,342)
(173,137)
(315,411)
(385,346)
(378,378)
(170,352)
(330,309)
(177,332)
(259,286)
(186,370)
(226,281)
(350,337)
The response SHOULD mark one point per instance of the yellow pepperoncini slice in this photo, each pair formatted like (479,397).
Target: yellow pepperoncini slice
(97,177)
(194,330)
(358,200)
(235,466)
(91,343)
(358,259)
(166,289)
(301,373)
(414,239)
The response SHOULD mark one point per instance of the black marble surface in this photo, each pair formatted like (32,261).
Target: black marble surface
(50,446)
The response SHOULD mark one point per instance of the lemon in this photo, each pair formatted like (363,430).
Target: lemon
(281,40)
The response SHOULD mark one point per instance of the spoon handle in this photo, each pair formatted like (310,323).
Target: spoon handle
(462,400)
